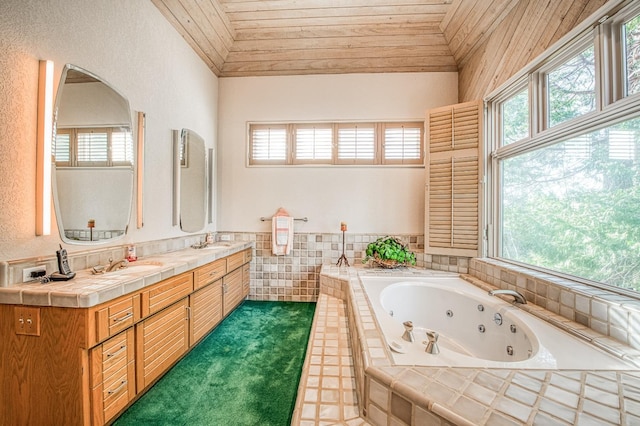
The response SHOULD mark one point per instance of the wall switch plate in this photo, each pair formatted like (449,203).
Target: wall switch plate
(27,320)
(225,237)
(30,274)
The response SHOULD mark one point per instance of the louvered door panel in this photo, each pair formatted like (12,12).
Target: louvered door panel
(452,181)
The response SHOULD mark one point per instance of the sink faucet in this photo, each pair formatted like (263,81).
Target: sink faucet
(119,264)
(519,297)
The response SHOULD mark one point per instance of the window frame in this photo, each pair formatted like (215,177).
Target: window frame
(613,106)
(379,140)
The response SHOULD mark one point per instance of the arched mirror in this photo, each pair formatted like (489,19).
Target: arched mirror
(190,180)
(93,159)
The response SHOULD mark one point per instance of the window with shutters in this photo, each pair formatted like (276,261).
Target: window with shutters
(452,180)
(375,143)
(93,147)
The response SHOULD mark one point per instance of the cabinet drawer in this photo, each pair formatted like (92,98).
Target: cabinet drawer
(248,255)
(115,316)
(206,311)
(165,293)
(235,261)
(209,273)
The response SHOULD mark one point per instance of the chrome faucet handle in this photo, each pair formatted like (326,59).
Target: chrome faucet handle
(408,331)
(432,344)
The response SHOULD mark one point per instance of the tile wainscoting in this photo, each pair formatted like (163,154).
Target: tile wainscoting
(295,277)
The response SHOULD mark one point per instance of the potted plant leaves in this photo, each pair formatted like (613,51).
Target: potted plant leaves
(389,252)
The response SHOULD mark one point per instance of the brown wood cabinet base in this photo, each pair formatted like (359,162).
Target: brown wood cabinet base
(84,366)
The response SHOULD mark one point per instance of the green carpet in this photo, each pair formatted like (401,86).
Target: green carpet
(246,372)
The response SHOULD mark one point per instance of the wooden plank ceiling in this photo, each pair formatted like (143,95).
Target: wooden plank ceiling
(287,37)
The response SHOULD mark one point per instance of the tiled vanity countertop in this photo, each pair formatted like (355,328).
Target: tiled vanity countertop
(87,289)
(392,394)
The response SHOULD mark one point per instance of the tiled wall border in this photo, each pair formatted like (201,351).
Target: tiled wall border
(605,312)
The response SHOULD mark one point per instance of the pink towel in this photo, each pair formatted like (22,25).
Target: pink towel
(281,232)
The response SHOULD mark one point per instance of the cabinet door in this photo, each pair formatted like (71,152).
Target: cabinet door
(206,311)
(232,291)
(112,376)
(161,340)
(246,280)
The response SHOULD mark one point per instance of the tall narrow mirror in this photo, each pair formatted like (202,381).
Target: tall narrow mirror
(191,162)
(93,159)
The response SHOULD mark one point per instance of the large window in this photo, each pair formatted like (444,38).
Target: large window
(565,159)
(574,206)
(383,143)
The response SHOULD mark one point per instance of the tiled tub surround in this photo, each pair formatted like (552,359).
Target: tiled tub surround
(86,289)
(593,309)
(296,277)
(407,395)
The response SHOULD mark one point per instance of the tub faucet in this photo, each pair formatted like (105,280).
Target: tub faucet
(118,264)
(432,344)
(519,297)
(408,331)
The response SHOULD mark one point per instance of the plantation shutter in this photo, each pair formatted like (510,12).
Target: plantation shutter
(268,144)
(313,144)
(452,179)
(402,143)
(356,143)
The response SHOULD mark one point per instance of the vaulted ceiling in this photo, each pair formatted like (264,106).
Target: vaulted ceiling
(286,37)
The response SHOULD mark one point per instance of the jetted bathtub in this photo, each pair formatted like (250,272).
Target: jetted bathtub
(474,328)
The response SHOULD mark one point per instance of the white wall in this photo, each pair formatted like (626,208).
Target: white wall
(369,199)
(130,45)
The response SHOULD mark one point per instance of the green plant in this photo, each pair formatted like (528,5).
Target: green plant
(389,252)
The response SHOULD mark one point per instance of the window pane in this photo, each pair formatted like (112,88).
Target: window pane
(571,88)
(121,147)
(314,143)
(402,143)
(573,206)
(61,148)
(269,143)
(632,54)
(92,146)
(356,143)
(515,118)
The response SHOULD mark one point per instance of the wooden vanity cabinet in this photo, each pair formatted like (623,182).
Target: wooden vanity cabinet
(84,366)
(246,280)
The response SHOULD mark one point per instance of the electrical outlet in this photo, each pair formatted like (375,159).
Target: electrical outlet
(30,274)
(225,237)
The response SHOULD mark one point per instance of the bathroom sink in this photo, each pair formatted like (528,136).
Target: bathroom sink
(137,267)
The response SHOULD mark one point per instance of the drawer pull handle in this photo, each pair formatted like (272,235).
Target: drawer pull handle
(126,317)
(213,273)
(119,388)
(118,352)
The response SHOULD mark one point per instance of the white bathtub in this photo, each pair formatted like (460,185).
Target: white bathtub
(469,334)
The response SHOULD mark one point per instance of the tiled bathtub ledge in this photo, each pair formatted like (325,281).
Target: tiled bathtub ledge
(408,395)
